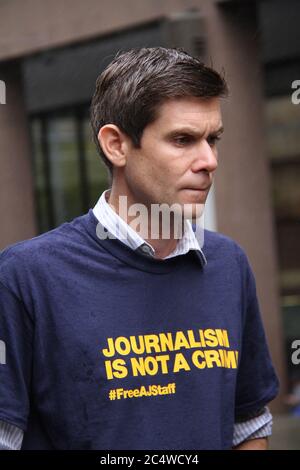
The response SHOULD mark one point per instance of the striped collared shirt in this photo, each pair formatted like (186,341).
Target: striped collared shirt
(123,232)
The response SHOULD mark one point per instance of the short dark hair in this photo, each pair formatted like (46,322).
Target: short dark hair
(137,82)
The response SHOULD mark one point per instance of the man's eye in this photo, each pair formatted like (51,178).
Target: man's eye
(213,140)
(183,140)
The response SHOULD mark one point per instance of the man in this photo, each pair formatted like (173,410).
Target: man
(118,341)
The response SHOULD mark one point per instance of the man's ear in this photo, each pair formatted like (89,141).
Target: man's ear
(114,143)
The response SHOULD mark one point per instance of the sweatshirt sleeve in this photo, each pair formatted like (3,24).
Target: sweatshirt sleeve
(257,382)
(16,333)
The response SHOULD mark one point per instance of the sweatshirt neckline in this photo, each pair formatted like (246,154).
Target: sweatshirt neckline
(135,258)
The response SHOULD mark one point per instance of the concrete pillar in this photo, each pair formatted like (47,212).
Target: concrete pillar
(17,217)
(242,184)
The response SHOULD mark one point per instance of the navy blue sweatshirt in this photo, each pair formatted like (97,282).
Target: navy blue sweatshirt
(109,349)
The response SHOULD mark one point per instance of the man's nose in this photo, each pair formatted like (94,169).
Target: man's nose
(206,158)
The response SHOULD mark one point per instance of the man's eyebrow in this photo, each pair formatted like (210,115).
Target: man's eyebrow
(191,130)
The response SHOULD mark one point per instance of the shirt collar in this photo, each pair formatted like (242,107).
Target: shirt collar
(106,215)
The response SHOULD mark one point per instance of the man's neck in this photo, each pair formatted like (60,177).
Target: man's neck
(163,246)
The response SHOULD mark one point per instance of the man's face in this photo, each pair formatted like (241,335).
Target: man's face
(178,154)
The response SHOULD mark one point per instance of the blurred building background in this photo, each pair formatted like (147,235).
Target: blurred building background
(51,53)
